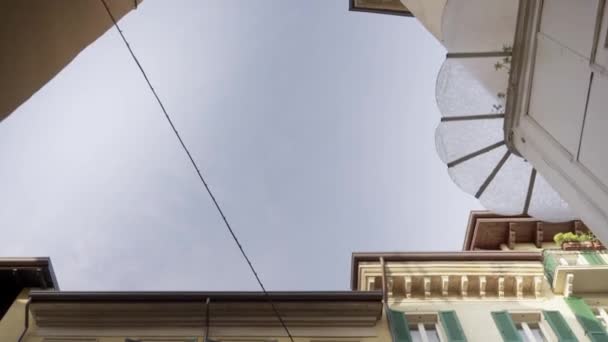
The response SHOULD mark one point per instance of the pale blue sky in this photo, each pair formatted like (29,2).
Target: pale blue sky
(314,126)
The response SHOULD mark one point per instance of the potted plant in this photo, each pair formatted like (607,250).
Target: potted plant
(583,241)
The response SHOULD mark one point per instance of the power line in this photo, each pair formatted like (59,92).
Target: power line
(198,172)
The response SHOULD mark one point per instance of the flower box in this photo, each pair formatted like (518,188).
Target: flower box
(582,246)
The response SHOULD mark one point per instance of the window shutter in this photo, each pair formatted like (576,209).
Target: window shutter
(559,326)
(399,326)
(593,258)
(593,328)
(505,325)
(451,326)
(550,264)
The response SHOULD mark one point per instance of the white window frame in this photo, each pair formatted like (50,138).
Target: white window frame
(526,318)
(421,319)
(601,313)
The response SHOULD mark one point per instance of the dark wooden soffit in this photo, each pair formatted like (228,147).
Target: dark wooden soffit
(200,297)
(39,271)
(95,310)
(354,7)
(487,231)
(438,256)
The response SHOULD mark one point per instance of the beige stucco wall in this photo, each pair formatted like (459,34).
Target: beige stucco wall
(315,332)
(262,334)
(38,38)
(13,322)
(429,13)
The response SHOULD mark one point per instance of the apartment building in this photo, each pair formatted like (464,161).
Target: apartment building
(511,282)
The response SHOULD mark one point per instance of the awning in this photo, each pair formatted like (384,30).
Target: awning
(471,93)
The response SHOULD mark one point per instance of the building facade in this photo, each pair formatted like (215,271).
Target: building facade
(33,309)
(511,282)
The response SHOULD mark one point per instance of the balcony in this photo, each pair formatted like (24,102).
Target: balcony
(576,272)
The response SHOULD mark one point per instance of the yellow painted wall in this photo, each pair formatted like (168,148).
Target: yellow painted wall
(13,322)
(378,333)
(429,13)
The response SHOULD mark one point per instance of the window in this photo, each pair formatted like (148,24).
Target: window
(601,314)
(426,327)
(530,332)
(425,332)
(588,318)
(523,326)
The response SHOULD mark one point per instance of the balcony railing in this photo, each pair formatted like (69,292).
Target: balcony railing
(576,271)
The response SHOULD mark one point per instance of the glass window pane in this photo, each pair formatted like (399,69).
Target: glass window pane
(520,330)
(432,335)
(538,334)
(416,336)
(535,329)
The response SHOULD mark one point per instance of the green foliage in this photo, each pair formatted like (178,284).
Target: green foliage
(561,238)
(584,237)
(502,64)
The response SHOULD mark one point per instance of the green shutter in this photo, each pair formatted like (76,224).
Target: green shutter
(559,326)
(505,325)
(593,328)
(399,326)
(550,263)
(593,258)
(451,326)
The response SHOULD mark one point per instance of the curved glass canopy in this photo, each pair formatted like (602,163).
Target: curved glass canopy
(471,93)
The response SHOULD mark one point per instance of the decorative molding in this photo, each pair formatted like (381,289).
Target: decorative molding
(538,286)
(539,235)
(390,285)
(501,287)
(73,339)
(512,238)
(427,287)
(187,339)
(457,279)
(408,287)
(464,286)
(444,285)
(256,340)
(371,283)
(519,287)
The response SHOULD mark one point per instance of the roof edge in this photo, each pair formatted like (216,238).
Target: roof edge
(228,296)
(43,263)
(353,8)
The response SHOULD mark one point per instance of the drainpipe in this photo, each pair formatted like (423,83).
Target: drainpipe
(27,320)
(385,299)
(384,282)
(206,337)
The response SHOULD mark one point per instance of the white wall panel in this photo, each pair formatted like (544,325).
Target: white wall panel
(601,56)
(570,23)
(556,104)
(594,146)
